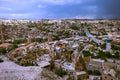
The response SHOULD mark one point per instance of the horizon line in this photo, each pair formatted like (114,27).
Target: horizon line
(62,19)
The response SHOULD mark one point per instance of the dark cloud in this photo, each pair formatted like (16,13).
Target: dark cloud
(66,8)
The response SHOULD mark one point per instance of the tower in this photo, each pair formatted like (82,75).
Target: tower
(79,65)
(2,31)
(78,61)
(49,37)
(52,56)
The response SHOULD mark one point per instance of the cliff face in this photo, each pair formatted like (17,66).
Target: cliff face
(48,75)
(12,71)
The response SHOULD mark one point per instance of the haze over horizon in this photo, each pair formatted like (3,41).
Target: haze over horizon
(60,9)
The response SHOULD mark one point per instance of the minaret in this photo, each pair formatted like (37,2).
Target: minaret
(52,56)
(29,37)
(78,61)
(49,37)
(2,31)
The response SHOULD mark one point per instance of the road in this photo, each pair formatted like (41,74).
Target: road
(92,37)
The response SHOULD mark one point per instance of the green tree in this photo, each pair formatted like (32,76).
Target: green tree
(14,46)
(3,50)
(19,41)
(60,72)
(97,72)
(103,46)
(115,47)
(110,24)
(74,27)
(86,53)
(117,55)
(39,40)
(90,72)
(108,55)
(101,55)
(94,72)
(91,48)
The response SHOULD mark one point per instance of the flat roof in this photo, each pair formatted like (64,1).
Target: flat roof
(98,60)
(5,45)
(80,73)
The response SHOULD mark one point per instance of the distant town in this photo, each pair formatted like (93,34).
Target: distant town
(67,49)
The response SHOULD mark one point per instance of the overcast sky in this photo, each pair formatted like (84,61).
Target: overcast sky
(59,9)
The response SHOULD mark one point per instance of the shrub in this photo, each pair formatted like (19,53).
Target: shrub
(74,28)
(103,46)
(29,64)
(60,72)
(115,47)
(86,53)
(1,60)
(3,50)
(96,72)
(19,41)
(14,46)
(90,72)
